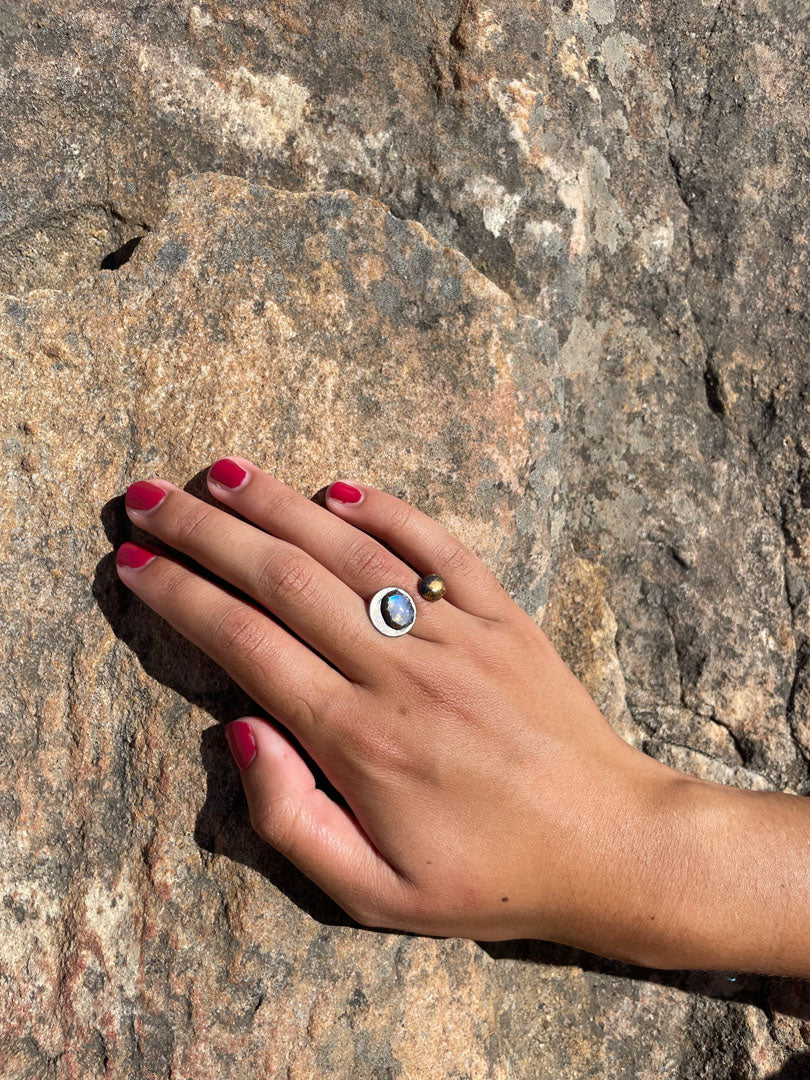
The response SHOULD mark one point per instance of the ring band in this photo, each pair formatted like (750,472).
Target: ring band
(392,611)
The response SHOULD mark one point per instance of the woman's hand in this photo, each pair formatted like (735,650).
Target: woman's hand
(489,796)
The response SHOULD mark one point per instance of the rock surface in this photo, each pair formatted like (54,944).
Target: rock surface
(631,176)
(324,337)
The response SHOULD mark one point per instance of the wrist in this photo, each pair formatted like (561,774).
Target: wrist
(619,863)
(659,922)
(721,880)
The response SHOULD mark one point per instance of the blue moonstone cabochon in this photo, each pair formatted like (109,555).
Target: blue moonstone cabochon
(397,610)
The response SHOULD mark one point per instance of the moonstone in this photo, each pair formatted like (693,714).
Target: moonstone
(397,610)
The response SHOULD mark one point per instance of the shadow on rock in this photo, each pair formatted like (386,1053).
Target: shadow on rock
(790,997)
(223,826)
(797,1068)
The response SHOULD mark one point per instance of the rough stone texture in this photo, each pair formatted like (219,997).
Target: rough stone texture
(633,176)
(322,336)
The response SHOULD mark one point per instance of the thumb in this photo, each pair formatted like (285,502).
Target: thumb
(324,840)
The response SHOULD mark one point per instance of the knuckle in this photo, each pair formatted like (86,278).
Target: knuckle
(497,656)
(382,751)
(190,524)
(443,699)
(285,578)
(366,559)
(280,501)
(370,902)
(239,635)
(310,717)
(275,821)
(400,516)
(173,586)
(365,911)
(446,694)
(405,911)
(452,555)
(385,903)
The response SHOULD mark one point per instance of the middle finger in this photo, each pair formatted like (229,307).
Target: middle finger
(308,599)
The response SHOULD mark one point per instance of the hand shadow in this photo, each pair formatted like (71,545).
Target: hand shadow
(789,997)
(223,826)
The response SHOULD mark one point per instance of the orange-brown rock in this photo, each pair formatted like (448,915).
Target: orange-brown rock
(145,929)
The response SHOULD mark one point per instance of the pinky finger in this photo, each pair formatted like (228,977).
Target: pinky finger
(319,836)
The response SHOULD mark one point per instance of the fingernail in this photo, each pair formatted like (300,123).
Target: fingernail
(345,493)
(228,473)
(242,744)
(132,556)
(144,496)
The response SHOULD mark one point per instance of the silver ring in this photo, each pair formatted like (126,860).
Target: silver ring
(392,611)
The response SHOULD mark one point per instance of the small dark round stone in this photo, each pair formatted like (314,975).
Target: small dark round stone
(432,587)
(397,610)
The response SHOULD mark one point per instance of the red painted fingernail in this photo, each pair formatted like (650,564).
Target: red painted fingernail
(345,493)
(144,496)
(132,556)
(242,744)
(227,473)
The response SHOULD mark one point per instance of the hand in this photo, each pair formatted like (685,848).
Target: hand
(489,798)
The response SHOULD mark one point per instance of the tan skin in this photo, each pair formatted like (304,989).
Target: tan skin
(489,796)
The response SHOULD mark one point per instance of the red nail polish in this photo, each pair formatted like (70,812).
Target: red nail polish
(345,493)
(242,744)
(132,556)
(144,496)
(227,473)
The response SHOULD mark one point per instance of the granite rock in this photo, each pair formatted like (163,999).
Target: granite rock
(145,927)
(629,177)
